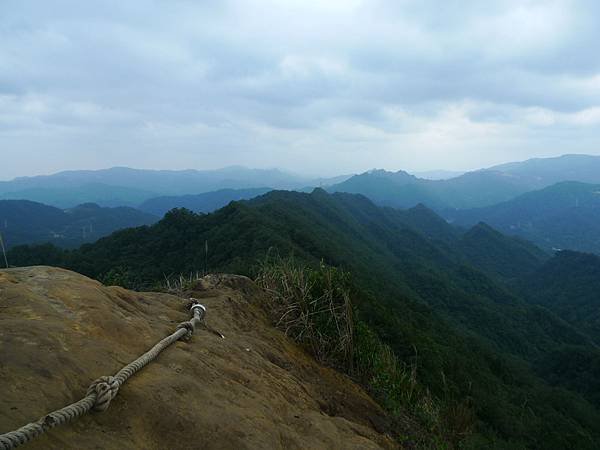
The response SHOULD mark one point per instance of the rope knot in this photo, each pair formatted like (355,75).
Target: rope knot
(106,389)
(189,326)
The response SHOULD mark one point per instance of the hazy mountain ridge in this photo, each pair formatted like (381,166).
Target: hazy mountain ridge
(513,207)
(474,189)
(548,171)
(119,186)
(200,203)
(26,222)
(131,187)
(563,216)
(69,196)
(438,174)
(401,190)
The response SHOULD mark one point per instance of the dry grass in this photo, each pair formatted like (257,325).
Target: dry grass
(179,284)
(312,307)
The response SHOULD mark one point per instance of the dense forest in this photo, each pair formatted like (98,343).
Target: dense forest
(456,305)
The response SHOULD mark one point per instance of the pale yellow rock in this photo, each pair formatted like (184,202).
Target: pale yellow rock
(255,389)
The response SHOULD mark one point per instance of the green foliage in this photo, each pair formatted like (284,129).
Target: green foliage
(119,276)
(507,257)
(568,284)
(394,383)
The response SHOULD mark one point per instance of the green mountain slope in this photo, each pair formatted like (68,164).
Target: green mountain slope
(475,340)
(498,254)
(568,284)
(563,216)
(427,222)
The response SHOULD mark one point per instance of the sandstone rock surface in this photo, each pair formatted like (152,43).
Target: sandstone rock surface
(255,389)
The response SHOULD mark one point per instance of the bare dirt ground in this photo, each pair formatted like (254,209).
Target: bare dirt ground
(255,389)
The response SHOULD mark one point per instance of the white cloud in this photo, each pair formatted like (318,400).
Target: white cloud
(324,87)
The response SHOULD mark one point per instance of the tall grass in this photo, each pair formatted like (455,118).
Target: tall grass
(313,306)
(177,285)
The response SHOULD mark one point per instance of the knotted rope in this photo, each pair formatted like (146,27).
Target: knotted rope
(104,389)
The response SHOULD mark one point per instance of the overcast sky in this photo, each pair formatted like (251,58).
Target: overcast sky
(321,87)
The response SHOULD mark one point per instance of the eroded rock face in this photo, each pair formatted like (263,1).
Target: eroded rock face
(252,390)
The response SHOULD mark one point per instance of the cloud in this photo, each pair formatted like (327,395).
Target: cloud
(321,87)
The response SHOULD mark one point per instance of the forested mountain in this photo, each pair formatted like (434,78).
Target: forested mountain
(395,189)
(125,186)
(563,216)
(498,254)
(199,203)
(480,346)
(24,222)
(569,284)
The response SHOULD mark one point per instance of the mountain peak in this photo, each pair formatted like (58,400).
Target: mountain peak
(89,205)
(319,191)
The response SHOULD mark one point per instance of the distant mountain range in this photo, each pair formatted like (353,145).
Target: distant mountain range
(562,216)
(26,222)
(438,174)
(199,203)
(542,172)
(553,202)
(122,186)
(402,190)
(68,196)
(473,189)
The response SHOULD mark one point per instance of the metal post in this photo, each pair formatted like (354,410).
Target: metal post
(3,250)
(206,257)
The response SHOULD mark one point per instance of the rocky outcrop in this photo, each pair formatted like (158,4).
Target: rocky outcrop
(255,389)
